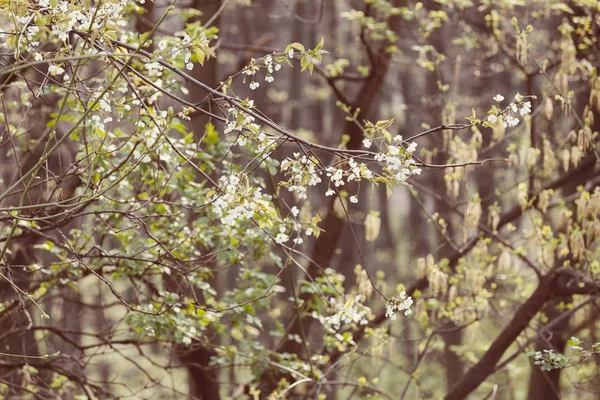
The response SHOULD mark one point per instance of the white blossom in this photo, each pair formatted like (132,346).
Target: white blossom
(412,147)
(55,69)
(526,108)
(350,311)
(510,121)
(380,157)
(281,238)
(400,302)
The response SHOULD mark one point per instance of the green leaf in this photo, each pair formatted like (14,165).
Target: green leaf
(211,136)
(200,55)
(304,62)
(296,46)
(320,45)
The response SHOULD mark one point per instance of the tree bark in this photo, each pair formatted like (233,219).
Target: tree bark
(545,385)
(525,313)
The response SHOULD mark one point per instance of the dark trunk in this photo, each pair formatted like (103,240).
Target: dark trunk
(545,385)
(525,313)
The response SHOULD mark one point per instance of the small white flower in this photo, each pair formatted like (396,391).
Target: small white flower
(526,108)
(277,67)
(367,143)
(254,85)
(330,192)
(511,121)
(518,97)
(492,118)
(299,240)
(498,98)
(290,53)
(295,211)
(412,147)
(55,69)
(189,66)
(281,238)
(353,199)
(269,78)
(309,232)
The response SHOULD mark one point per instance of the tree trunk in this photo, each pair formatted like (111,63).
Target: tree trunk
(545,385)
(525,313)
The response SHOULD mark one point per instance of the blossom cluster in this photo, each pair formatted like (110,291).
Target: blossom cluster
(398,159)
(517,106)
(355,172)
(350,311)
(242,122)
(303,172)
(400,302)
(271,66)
(233,204)
(64,18)
(237,120)
(182,46)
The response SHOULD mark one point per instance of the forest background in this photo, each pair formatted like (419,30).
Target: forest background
(324,199)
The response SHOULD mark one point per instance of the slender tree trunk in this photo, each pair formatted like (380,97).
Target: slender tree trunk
(203,379)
